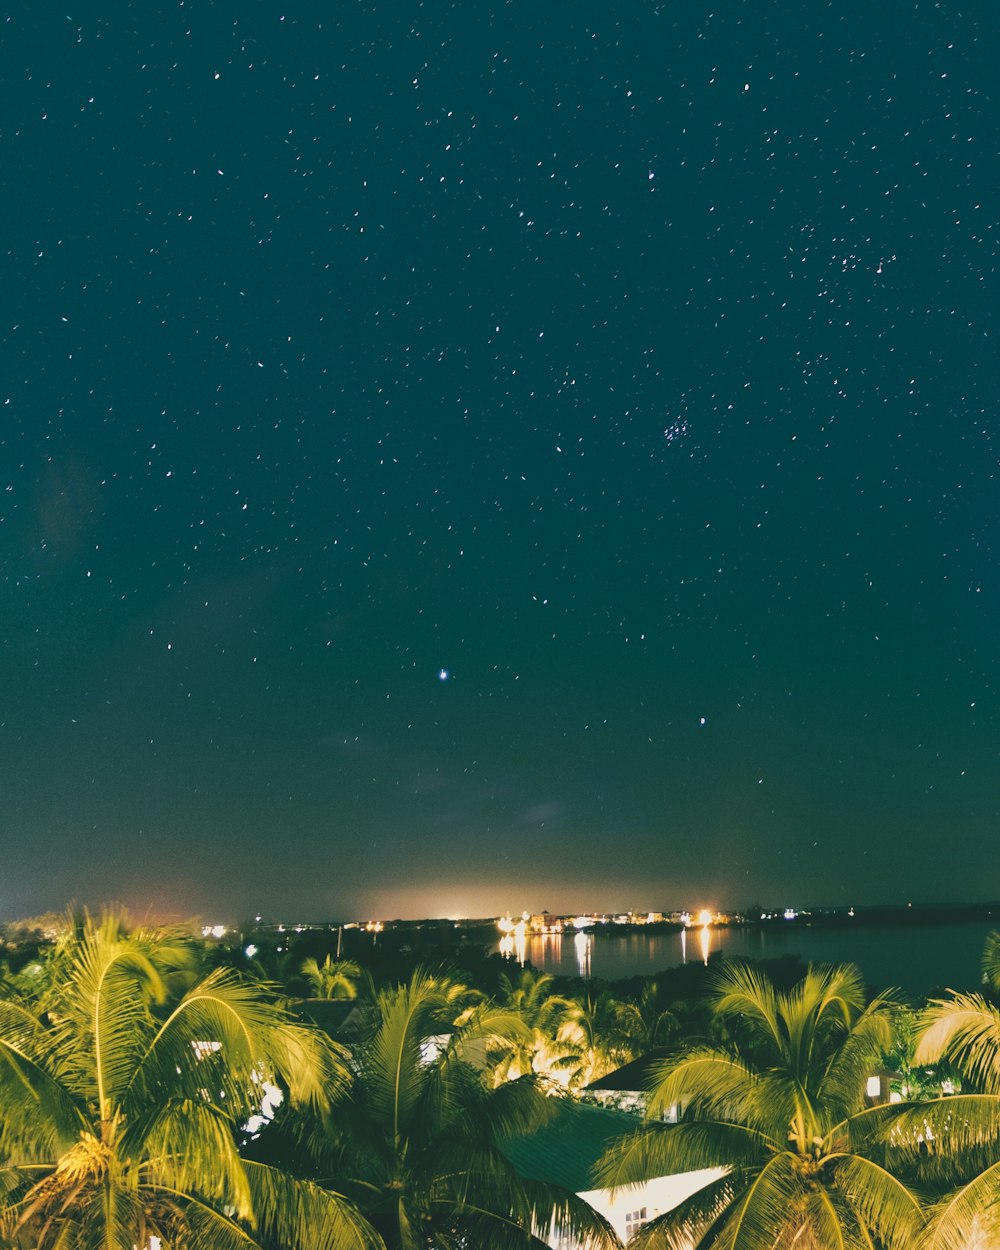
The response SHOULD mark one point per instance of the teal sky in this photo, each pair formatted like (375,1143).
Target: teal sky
(481,456)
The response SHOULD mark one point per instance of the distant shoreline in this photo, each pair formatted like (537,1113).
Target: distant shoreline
(894,915)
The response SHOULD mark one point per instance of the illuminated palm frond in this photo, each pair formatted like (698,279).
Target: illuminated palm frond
(777,1129)
(418,1142)
(966,1029)
(123,1103)
(970,1218)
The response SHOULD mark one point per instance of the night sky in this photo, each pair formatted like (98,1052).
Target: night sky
(458,457)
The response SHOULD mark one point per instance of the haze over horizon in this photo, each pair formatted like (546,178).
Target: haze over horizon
(499,456)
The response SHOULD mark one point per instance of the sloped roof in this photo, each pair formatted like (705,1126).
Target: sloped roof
(565,1151)
(635,1077)
(341,1018)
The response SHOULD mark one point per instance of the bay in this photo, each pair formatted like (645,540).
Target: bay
(918,959)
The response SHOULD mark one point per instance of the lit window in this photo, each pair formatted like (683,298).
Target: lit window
(634,1220)
(874,1086)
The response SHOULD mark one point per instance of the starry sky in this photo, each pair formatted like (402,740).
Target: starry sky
(498,454)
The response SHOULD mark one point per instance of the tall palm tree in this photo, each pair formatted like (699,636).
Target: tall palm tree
(780,1119)
(597,1030)
(123,1092)
(334,978)
(647,1022)
(548,1045)
(419,1143)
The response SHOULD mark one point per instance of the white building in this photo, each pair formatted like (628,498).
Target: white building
(566,1152)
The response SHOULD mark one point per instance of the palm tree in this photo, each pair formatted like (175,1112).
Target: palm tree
(419,1143)
(597,1030)
(123,1091)
(956,1138)
(779,1119)
(647,1023)
(334,978)
(548,1046)
(991,961)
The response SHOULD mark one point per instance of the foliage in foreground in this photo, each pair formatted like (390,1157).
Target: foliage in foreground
(124,1085)
(126,1075)
(419,1142)
(778,1117)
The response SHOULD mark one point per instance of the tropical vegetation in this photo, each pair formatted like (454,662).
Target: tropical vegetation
(125,1083)
(773,1122)
(419,1142)
(160,1094)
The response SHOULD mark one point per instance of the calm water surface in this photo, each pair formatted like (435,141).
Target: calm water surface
(917,959)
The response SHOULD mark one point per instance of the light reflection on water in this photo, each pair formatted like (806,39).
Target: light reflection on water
(916,958)
(584,944)
(545,949)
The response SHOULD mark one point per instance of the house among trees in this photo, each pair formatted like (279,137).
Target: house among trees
(566,1152)
(627,1088)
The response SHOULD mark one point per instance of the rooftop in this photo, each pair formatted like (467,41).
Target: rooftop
(566,1151)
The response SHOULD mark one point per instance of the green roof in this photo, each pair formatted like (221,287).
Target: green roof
(565,1151)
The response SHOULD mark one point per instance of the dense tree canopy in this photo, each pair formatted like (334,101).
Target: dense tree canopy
(124,1087)
(132,1081)
(419,1143)
(777,1111)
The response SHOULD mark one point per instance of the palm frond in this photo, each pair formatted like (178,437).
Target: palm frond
(945,1137)
(822,1221)
(188,1145)
(104,1019)
(667,1149)
(693,1220)
(834,996)
(108,1221)
(513,1109)
(209,1229)
(966,1029)
(970,1218)
(881,1201)
(991,961)
(480,1178)
(40,1117)
(772,1202)
(859,1054)
(224,1035)
(303,1214)
(741,990)
(536,1212)
(393,1064)
(705,1079)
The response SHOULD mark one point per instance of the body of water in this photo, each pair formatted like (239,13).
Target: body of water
(915,958)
